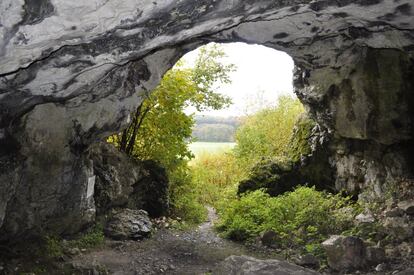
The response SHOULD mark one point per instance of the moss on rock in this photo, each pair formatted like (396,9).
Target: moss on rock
(300,145)
(305,162)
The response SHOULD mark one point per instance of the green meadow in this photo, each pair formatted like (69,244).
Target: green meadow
(200,148)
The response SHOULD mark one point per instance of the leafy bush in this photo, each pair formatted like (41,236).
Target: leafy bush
(91,238)
(268,132)
(54,246)
(213,173)
(211,179)
(184,198)
(302,218)
(274,176)
(283,150)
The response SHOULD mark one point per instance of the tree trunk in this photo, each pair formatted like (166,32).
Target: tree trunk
(137,125)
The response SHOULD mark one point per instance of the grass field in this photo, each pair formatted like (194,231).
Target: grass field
(199,148)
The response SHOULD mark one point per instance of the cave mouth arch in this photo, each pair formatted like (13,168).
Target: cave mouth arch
(253,64)
(62,90)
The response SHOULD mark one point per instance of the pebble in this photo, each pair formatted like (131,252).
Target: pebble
(74,251)
(407,206)
(381,267)
(365,218)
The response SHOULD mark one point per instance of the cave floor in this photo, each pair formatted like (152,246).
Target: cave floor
(195,251)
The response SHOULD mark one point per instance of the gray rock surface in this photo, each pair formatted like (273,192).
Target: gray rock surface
(72,71)
(400,228)
(270,239)
(128,224)
(364,218)
(406,249)
(345,253)
(124,182)
(394,212)
(375,255)
(308,260)
(409,271)
(246,265)
(407,206)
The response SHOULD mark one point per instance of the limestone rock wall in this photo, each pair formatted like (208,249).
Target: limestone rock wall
(370,114)
(71,72)
(122,182)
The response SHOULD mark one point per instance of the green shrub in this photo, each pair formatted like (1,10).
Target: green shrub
(52,247)
(91,238)
(274,176)
(184,198)
(244,219)
(268,133)
(302,218)
(213,174)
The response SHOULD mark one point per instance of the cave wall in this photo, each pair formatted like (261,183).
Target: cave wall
(373,118)
(71,72)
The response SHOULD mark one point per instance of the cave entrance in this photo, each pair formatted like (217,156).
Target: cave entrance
(223,108)
(260,85)
(241,159)
(265,130)
(258,77)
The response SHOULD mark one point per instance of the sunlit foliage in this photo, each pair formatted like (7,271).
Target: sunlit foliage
(268,132)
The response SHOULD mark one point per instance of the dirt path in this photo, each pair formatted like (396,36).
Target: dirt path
(168,252)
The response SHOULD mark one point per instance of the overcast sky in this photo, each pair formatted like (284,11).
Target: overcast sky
(261,73)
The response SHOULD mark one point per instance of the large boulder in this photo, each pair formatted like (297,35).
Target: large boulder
(348,253)
(125,182)
(235,265)
(399,228)
(128,224)
(150,192)
(115,176)
(345,253)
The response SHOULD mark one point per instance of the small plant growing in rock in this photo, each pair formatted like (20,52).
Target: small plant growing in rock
(92,238)
(53,247)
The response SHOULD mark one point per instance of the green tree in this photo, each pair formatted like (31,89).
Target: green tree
(161,130)
(214,132)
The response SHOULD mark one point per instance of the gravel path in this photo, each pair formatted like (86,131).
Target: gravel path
(196,251)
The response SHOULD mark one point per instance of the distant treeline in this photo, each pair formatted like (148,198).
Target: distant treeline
(215,129)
